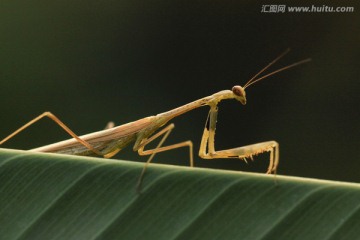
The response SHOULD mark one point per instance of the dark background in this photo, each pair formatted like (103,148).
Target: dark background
(90,62)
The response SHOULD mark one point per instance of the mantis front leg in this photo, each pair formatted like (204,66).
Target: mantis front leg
(207,146)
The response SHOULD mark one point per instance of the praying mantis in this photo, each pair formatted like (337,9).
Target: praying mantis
(110,141)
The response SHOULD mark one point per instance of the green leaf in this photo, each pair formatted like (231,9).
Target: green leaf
(49,196)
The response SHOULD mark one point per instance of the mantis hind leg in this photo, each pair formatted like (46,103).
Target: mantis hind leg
(109,125)
(60,123)
(207,146)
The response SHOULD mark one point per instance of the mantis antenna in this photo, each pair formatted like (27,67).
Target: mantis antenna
(254,79)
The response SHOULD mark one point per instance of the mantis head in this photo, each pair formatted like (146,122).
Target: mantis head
(239,94)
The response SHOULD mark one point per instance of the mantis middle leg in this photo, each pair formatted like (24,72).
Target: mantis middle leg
(165,132)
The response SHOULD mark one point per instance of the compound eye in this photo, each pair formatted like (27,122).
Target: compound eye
(238,91)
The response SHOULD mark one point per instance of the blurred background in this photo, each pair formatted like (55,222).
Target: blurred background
(90,62)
